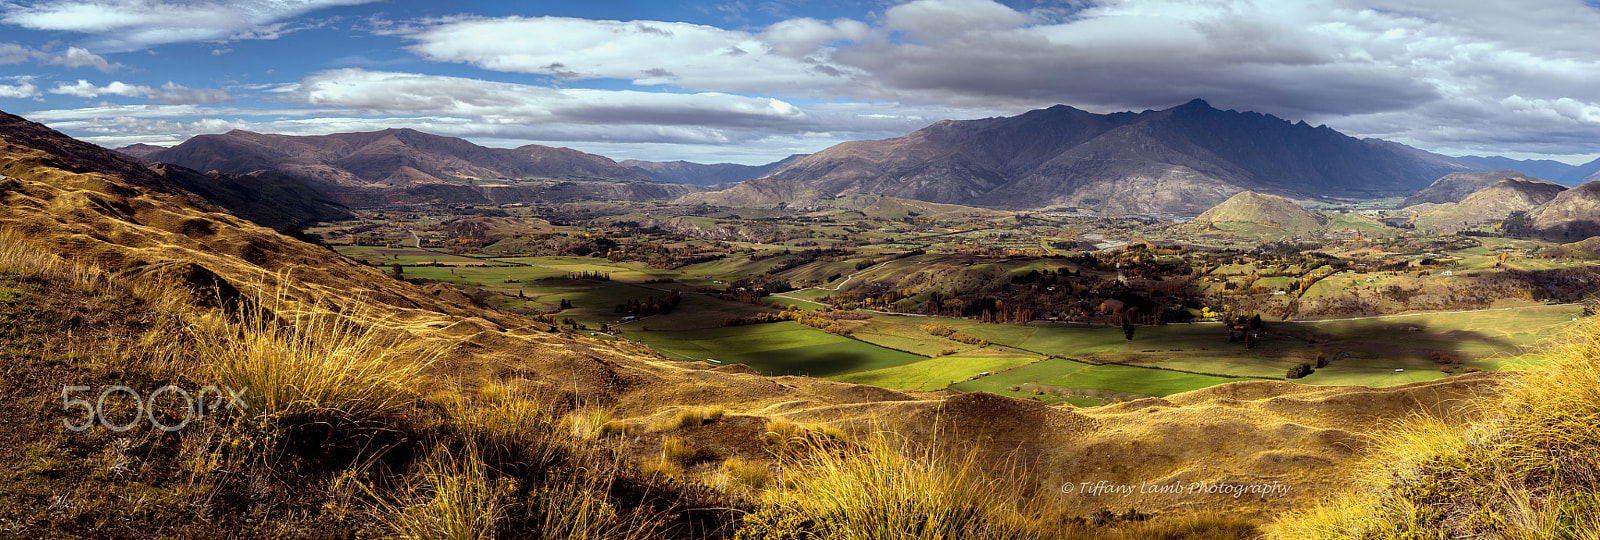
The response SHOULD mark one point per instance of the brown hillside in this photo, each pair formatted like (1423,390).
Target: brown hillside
(139,150)
(409,166)
(1492,203)
(1243,433)
(1457,186)
(1571,216)
(1259,209)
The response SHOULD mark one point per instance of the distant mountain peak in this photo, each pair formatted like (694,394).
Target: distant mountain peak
(1181,160)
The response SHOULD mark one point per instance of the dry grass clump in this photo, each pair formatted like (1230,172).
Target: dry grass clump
(693,417)
(746,473)
(454,498)
(458,494)
(787,440)
(1529,469)
(592,423)
(680,451)
(885,487)
(892,489)
(314,368)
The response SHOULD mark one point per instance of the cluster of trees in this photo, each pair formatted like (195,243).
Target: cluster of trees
(825,321)
(594,275)
(750,291)
(551,319)
(650,305)
(951,334)
(1244,328)
(1300,371)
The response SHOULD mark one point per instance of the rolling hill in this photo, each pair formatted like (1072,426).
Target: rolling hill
(1457,186)
(1492,203)
(1180,160)
(408,166)
(1253,208)
(1572,216)
(268,199)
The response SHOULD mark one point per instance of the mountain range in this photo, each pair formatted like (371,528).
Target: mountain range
(1555,171)
(397,166)
(267,198)
(685,172)
(1180,160)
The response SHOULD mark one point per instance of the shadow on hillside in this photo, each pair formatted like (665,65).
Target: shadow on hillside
(804,363)
(1397,337)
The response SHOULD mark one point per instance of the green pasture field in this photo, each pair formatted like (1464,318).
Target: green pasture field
(785,348)
(938,373)
(1067,373)
(787,301)
(1368,351)
(406,256)
(906,333)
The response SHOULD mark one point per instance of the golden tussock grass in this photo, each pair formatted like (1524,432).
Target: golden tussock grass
(303,366)
(590,423)
(888,488)
(453,498)
(19,254)
(1530,468)
(692,417)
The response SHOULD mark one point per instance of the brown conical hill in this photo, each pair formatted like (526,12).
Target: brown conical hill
(1493,203)
(1242,433)
(1253,208)
(1571,216)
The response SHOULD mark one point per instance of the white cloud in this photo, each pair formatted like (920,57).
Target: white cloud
(123,25)
(80,57)
(799,38)
(170,92)
(85,89)
(648,53)
(23,89)
(1408,70)
(15,53)
(506,103)
(940,19)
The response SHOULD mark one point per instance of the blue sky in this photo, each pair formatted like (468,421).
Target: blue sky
(751,81)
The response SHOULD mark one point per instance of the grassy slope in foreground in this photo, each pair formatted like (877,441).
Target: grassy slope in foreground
(1531,469)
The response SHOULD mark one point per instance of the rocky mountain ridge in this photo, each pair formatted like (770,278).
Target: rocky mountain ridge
(1181,160)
